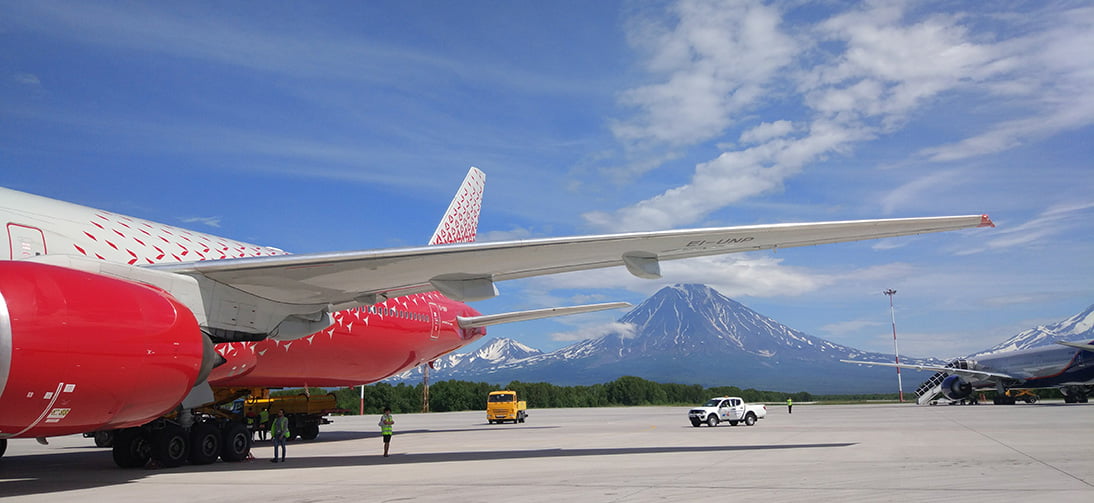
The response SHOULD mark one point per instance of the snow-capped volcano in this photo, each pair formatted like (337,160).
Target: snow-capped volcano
(1076,328)
(688,334)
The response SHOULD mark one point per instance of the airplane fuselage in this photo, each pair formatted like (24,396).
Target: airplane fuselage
(1043,367)
(365,344)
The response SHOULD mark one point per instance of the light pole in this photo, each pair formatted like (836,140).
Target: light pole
(896,350)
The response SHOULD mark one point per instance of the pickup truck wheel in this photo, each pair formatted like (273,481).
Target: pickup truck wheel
(712,420)
(696,422)
(750,419)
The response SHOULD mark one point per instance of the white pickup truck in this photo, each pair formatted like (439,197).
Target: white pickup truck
(726,408)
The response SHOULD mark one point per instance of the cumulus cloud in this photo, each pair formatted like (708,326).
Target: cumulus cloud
(865,73)
(717,60)
(733,275)
(624,330)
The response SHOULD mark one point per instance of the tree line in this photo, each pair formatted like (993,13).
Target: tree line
(449,396)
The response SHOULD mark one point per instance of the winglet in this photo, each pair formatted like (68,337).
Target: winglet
(985,221)
(460,223)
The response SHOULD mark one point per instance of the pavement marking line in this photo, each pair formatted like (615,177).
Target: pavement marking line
(1019,451)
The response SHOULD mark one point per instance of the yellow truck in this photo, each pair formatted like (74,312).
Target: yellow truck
(305,413)
(503,406)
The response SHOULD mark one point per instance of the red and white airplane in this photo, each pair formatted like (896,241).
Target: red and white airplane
(110,322)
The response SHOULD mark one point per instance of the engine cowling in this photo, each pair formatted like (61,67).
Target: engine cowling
(84,352)
(956,388)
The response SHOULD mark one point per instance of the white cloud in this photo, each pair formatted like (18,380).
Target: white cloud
(1053,221)
(716,61)
(28,79)
(625,330)
(767,131)
(872,68)
(734,276)
(209,221)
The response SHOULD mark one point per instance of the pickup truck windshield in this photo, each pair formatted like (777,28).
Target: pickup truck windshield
(714,402)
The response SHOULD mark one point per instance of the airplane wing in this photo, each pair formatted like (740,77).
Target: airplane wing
(971,374)
(535,314)
(468,271)
(1077,345)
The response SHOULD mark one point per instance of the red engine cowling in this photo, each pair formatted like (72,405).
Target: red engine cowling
(83,352)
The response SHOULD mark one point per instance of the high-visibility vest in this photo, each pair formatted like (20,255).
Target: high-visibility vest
(280,427)
(385,424)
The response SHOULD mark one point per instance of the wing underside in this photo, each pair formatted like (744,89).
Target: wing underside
(467,271)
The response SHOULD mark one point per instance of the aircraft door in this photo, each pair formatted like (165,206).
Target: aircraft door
(434,321)
(25,242)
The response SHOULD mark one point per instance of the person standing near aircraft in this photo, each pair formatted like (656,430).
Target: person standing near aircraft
(263,423)
(789,406)
(386,429)
(279,431)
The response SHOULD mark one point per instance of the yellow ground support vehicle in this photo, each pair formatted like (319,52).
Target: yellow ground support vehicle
(305,413)
(503,406)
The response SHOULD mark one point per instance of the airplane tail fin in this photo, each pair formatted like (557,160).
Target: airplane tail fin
(461,222)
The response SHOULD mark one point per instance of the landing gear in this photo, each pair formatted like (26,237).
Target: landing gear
(205,443)
(1075,394)
(104,438)
(171,446)
(237,443)
(132,448)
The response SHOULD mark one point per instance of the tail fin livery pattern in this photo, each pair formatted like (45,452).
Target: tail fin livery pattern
(461,222)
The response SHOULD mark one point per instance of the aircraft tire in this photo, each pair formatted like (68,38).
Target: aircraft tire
(104,438)
(309,431)
(131,448)
(205,442)
(171,446)
(237,443)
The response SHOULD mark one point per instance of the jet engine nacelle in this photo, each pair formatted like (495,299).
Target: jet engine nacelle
(84,352)
(956,388)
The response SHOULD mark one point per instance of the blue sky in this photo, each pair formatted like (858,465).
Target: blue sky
(349,125)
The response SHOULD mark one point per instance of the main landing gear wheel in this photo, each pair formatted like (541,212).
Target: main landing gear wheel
(171,446)
(131,448)
(205,444)
(712,420)
(237,443)
(104,438)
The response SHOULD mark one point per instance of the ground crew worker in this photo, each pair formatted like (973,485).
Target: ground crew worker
(789,406)
(385,424)
(279,431)
(263,422)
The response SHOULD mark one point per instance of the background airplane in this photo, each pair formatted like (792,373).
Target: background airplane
(1068,366)
(114,322)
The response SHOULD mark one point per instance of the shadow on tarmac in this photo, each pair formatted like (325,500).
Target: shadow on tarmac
(83,469)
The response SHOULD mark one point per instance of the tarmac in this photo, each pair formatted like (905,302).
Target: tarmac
(882,452)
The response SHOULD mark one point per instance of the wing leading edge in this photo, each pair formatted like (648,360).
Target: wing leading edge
(467,271)
(966,373)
